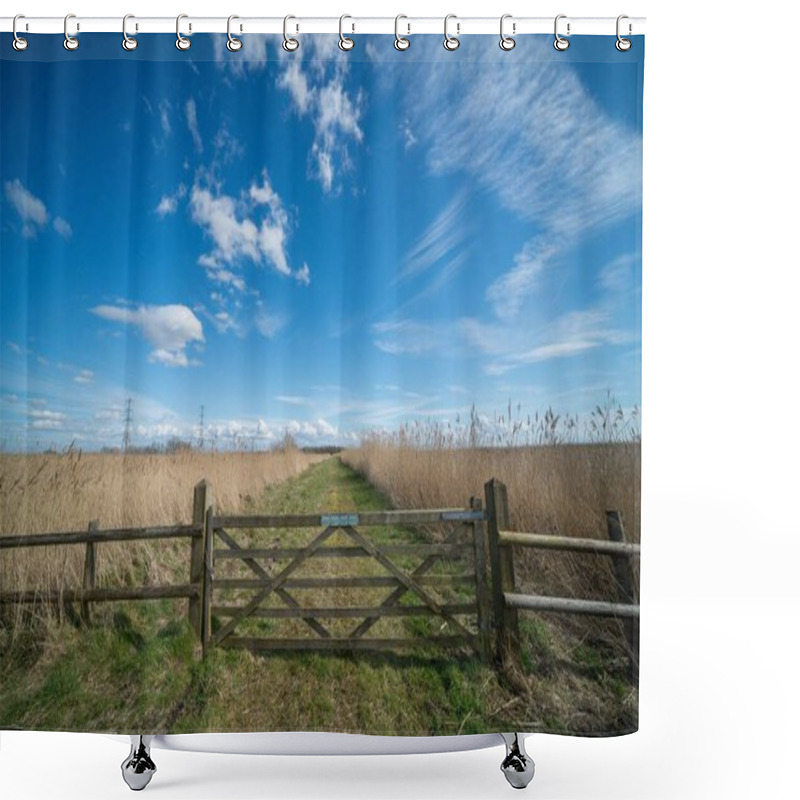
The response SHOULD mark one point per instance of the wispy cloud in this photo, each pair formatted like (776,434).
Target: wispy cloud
(442,240)
(62,228)
(84,376)
(406,337)
(503,345)
(267,324)
(320,92)
(292,400)
(508,292)
(543,145)
(191,121)
(164,110)
(170,329)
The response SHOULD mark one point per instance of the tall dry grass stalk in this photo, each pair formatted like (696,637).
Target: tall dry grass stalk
(561,489)
(42,493)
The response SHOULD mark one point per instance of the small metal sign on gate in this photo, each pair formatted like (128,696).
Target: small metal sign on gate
(339,520)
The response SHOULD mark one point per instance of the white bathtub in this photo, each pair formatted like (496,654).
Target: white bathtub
(138,768)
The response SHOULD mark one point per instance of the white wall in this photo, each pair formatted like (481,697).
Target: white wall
(719,704)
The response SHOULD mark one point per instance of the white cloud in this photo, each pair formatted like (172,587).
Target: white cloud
(167,205)
(62,228)
(170,329)
(303,275)
(256,226)
(319,92)
(294,80)
(253,59)
(45,420)
(31,210)
(191,121)
(169,202)
(409,140)
(318,429)
(84,376)
(15,348)
(268,324)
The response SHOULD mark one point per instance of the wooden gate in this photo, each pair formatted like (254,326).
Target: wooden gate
(284,582)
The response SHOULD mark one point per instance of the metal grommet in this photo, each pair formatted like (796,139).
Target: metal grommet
(345,42)
(128,42)
(400,42)
(181,42)
(561,44)
(19,44)
(70,42)
(451,42)
(506,42)
(233,44)
(622,44)
(289,44)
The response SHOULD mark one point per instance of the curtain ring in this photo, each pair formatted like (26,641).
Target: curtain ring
(289,44)
(400,42)
(233,44)
(506,42)
(345,42)
(128,42)
(622,43)
(450,42)
(181,42)
(560,42)
(70,42)
(19,44)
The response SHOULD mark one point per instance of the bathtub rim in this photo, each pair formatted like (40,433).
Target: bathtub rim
(305,743)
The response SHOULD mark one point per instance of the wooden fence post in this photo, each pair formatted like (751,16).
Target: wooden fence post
(482,596)
(89,574)
(199,507)
(506,619)
(626,588)
(208,569)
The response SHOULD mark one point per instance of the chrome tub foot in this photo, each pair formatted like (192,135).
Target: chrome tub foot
(517,766)
(138,768)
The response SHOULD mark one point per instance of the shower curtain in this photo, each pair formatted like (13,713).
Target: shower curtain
(320,385)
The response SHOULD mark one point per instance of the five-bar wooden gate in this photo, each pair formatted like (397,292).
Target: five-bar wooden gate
(281,573)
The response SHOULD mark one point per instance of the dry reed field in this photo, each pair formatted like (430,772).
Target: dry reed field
(558,489)
(555,486)
(52,492)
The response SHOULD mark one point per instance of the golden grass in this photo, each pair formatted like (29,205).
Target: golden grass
(49,492)
(561,489)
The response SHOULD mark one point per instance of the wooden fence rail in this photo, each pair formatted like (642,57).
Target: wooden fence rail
(507,600)
(493,609)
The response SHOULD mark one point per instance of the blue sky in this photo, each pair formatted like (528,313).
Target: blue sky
(315,242)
